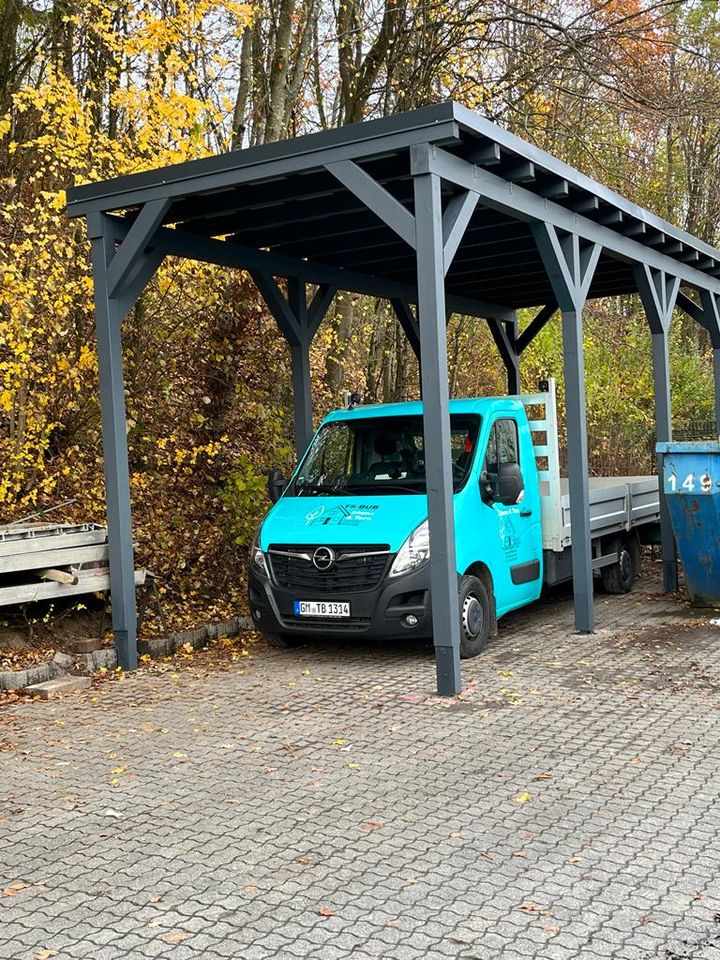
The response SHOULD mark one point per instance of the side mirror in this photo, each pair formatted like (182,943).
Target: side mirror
(276,483)
(510,483)
(487,490)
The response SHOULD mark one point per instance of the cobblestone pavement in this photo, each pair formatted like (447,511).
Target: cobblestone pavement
(321,803)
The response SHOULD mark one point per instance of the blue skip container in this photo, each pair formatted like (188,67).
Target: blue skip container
(691,480)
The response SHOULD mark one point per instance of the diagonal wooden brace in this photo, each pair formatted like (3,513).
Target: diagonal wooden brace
(376,198)
(134,245)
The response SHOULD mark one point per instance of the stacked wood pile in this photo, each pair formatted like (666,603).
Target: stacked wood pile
(44,561)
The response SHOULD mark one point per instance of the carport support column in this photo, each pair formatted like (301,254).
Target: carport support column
(300,363)
(436,423)
(571,265)
(711,313)
(663,431)
(512,363)
(299,324)
(658,294)
(109,313)
(716,374)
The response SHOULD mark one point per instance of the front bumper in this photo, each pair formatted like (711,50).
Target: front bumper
(377,613)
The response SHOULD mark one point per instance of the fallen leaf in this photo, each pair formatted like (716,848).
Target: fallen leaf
(519,853)
(251,889)
(340,742)
(45,954)
(455,833)
(326,912)
(119,770)
(174,937)
(523,797)
(551,928)
(154,899)
(14,889)
(372,825)
(544,776)
(304,861)
(354,766)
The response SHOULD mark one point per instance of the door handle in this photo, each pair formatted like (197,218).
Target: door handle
(526,513)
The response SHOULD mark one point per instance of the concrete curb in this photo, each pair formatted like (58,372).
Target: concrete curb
(64,664)
(166,646)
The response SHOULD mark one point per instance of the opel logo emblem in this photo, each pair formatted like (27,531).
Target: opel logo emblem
(323,558)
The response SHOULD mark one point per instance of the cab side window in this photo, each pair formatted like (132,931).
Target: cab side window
(502,480)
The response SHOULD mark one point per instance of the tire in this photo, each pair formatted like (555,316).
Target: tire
(280,641)
(619,577)
(475,610)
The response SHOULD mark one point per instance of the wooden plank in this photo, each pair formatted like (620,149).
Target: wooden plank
(9,548)
(58,576)
(54,558)
(28,592)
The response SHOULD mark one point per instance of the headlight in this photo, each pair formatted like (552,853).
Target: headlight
(257,558)
(413,552)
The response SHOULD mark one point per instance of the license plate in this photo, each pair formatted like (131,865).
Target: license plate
(321,608)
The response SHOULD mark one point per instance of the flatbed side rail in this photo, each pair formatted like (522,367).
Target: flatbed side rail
(547,461)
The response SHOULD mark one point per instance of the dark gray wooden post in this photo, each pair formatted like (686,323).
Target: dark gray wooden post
(711,312)
(300,361)
(658,294)
(299,324)
(512,363)
(436,422)
(118,279)
(570,266)
(716,376)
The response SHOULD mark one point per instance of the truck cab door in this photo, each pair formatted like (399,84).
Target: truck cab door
(511,508)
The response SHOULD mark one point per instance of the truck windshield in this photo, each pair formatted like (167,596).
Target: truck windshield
(379,455)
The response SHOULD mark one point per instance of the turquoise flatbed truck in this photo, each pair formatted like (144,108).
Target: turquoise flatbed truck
(344,550)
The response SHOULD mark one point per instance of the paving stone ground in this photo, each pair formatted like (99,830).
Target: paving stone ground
(322,803)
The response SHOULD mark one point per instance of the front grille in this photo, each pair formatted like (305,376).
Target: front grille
(356,568)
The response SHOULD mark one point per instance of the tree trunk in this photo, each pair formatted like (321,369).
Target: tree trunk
(243,94)
(9,24)
(277,88)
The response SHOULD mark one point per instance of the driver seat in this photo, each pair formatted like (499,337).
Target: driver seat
(385,447)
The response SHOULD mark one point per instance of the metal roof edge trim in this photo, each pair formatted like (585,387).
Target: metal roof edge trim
(480,125)
(431,116)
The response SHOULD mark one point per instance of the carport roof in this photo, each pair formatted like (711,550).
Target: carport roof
(284,198)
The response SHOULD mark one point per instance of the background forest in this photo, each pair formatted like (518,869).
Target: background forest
(626,90)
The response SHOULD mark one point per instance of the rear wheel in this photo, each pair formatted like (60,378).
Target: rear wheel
(618,578)
(474,616)
(281,641)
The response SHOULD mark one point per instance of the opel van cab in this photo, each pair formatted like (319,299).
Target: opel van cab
(344,550)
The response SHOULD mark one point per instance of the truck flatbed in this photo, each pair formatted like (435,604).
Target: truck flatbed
(617,504)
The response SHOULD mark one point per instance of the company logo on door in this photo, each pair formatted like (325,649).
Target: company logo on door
(509,538)
(344,515)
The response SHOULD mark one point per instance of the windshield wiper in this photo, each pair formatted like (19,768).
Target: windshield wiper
(318,488)
(416,486)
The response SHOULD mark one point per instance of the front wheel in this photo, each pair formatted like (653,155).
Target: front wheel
(618,578)
(474,616)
